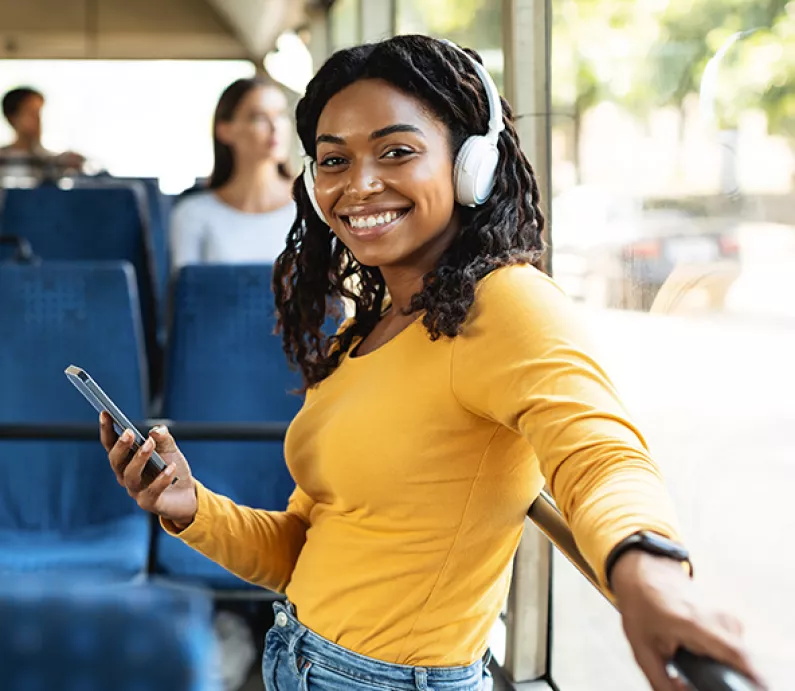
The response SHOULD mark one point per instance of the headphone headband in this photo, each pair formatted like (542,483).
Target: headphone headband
(496,125)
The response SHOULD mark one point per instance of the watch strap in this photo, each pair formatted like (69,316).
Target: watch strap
(651,543)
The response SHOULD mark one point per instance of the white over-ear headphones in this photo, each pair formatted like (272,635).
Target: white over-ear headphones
(310,166)
(475,164)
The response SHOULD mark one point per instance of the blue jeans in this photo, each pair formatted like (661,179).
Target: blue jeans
(297,659)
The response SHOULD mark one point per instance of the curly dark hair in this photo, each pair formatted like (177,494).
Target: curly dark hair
(313,272)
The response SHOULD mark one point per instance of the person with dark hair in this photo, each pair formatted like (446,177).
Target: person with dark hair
(462,384)
(22,108)
(246,210)
(25,157)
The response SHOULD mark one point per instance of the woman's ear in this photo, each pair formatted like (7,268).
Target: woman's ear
(223,131)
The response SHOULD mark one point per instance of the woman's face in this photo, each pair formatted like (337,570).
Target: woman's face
(260,127)
(385,176)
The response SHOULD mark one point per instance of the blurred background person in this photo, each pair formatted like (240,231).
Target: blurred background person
(241,216)
(26,157)
(245,212)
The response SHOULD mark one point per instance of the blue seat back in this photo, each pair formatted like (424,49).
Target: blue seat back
(94,222)
(224,364)
(157,209)
(54,315)
(59,637)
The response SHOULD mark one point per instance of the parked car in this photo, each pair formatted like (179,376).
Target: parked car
(610,251)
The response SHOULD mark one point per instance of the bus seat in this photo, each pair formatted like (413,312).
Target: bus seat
(225,364)
(157,207)
(57,636)
(95,221)
(60,506)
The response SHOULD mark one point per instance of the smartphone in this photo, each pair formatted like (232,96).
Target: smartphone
(102,403)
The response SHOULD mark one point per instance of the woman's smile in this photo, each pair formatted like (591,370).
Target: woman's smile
(371,226)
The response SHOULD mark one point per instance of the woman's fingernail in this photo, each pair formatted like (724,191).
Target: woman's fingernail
(169,470)
(158,429)
(149,444)
(127,437)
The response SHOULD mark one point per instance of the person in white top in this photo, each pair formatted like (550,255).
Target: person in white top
(243,217)
(245,213)
(25,158)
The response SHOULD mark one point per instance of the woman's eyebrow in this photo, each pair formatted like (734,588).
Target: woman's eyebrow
(392,129)
(329,139)
(378,134)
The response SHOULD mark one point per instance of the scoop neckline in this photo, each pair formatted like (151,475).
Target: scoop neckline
(352,356)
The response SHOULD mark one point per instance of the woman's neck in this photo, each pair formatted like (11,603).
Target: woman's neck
(256,189)
(402,284)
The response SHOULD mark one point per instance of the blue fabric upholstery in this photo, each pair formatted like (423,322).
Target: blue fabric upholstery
(59,637)
(157,213)
(114,550)
(95,222)
(224,364)
(60,505)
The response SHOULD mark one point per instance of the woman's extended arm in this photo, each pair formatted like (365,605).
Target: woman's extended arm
(525,362)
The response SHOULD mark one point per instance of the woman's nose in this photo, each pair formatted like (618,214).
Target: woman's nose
(363,181)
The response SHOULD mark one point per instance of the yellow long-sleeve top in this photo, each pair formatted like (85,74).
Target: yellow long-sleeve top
(415,465)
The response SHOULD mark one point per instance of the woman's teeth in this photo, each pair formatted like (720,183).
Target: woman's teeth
(374,220)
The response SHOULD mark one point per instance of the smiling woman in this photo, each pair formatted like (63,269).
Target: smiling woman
(463,384)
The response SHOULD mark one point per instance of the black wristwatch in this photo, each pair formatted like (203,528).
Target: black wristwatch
(652,543)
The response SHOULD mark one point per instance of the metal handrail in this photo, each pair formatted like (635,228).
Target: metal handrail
(703,673)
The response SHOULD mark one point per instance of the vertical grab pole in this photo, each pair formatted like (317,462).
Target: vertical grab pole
(525,44)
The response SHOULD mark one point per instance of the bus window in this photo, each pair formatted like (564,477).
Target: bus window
(476,25)
(345,19)
(132,118)
(673,222)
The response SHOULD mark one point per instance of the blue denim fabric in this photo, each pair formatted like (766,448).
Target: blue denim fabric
(297,659)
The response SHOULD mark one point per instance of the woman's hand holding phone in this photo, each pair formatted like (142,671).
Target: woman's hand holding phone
(176,502)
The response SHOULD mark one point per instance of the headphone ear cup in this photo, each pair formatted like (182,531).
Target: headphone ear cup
(475,168)
(309,185)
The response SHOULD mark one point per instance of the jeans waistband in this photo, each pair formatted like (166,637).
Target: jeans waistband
(317,649)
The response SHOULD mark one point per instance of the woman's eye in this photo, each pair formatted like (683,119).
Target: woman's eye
(332,161)
(260,119)
(398,153)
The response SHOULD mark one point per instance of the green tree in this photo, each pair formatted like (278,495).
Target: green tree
(693,33)
(737,55)
(473,23)
(584,68)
